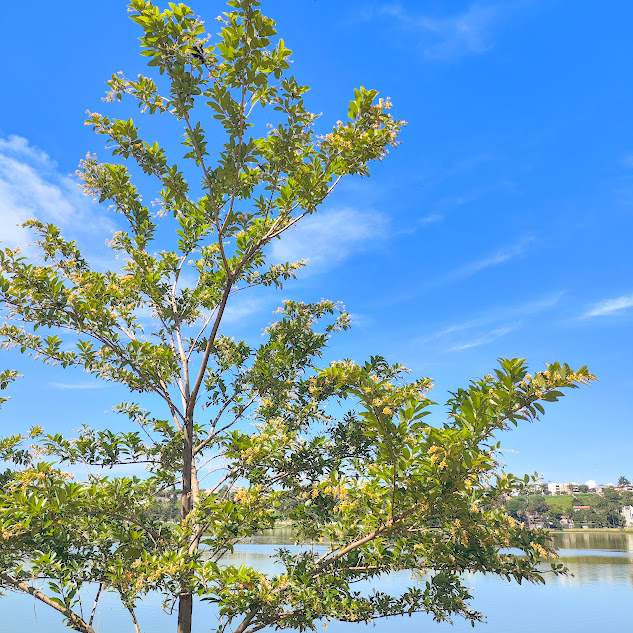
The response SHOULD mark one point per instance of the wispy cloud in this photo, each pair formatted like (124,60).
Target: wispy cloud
(14,144)
(488,337)
(467,196)
(329,237)
(77,385)
(448,37)
(362,320)
(430,219)
(489,325)
(243,308)
(496,315)
(32,186)
(609,306)
(501,256)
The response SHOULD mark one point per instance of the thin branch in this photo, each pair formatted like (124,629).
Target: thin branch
(128,519)
(94,606)
(302,215)
(137,628)
(77,622)
(228,476)
(209,347)
(332,556)
(173,409)
(200,158)
(359,568)
(200,333)
(240,144)
(177,323)
(213,433)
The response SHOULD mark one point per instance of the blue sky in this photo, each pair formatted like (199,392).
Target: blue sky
(501,226)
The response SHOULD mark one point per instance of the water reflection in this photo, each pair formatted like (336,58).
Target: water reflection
(595,598)
(610,541)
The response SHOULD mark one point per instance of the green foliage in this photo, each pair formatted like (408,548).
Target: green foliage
(604,509)
(378,485)
(6,378)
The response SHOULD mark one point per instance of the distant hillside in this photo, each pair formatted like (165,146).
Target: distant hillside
(603,511)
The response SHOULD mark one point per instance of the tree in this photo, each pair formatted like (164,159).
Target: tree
(552,518)
(516,507)
(609,506)
(385,489)
(538,506)
(623,481)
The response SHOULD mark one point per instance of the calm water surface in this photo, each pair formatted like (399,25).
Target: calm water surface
(597,597)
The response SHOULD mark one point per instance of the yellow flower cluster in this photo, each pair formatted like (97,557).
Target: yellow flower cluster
(241,496)
(459,532)
(438,453)
(541,551)
(28,477)
(339,492)
(5,534)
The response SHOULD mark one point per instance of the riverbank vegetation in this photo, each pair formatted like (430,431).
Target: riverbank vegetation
(590,509)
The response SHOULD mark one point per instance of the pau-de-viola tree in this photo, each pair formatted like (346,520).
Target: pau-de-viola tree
(381,490)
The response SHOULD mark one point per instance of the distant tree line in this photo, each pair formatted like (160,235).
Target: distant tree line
(604,509)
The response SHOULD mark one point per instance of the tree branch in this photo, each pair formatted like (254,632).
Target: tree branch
(77,622)
(137,628)
(96,602)
(213,433)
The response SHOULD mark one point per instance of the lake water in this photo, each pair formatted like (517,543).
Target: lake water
(597,597)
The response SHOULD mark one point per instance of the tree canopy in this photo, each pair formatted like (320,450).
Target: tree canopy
(383,489)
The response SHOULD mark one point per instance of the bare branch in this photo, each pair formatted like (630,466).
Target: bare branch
(78,623)
(96,602)
(213,433)
(137,628)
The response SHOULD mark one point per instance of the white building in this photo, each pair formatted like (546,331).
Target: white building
(627,513)
(563,489)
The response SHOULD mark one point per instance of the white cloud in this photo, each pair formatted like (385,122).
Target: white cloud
(449,37)
(497,258)
(496,315)
(361,320)
(500,257)
(430,219)
(488,326)
(19,145)
(31,186)
(328,237)
(485,338)
(240,309)
(77,385)
(609,306)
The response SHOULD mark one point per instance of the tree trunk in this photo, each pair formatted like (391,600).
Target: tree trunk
(195,486)
(187,467)
(185,610)
(77,623)
(185,601)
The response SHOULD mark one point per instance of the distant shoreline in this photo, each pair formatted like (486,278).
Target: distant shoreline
(600,529)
